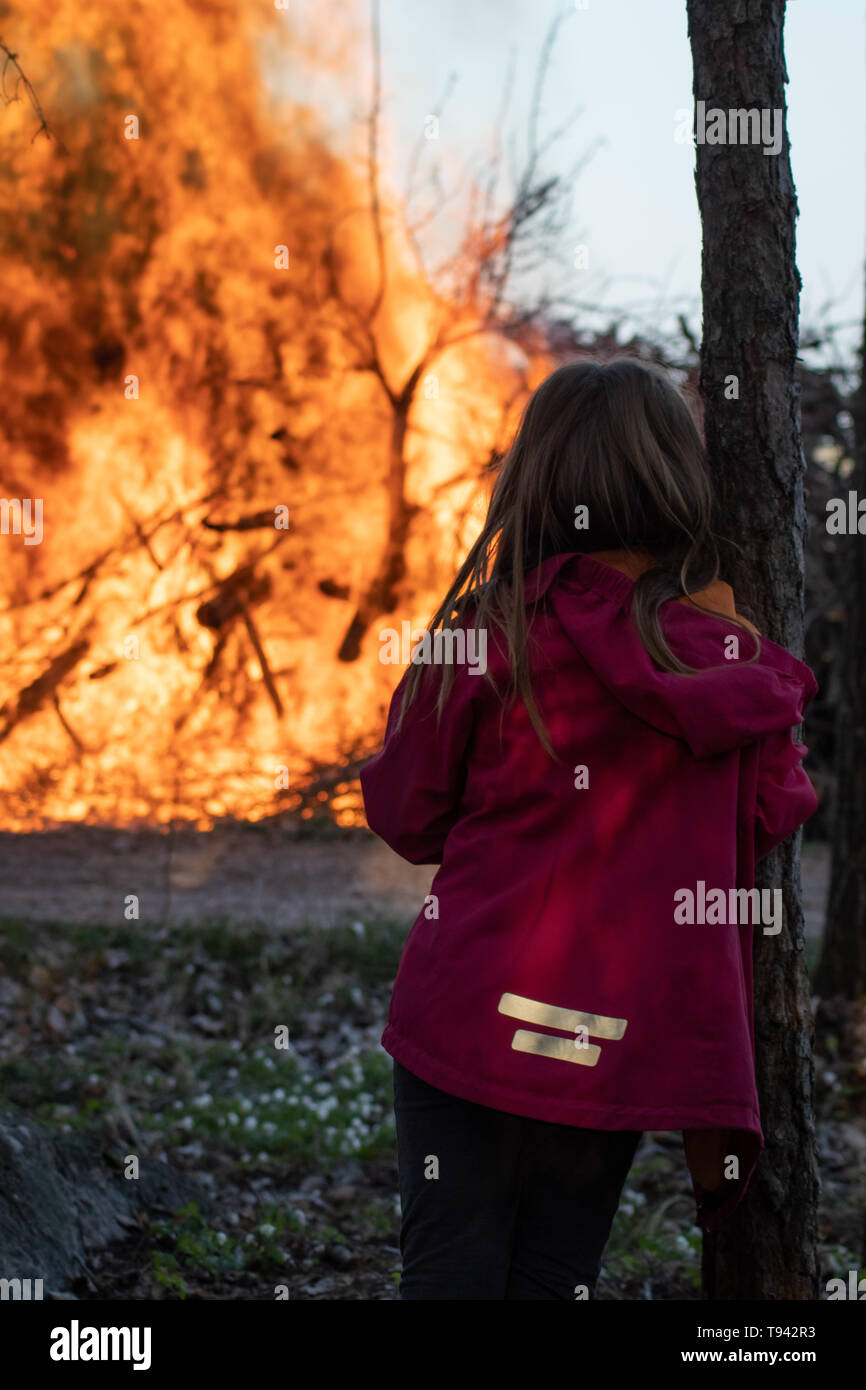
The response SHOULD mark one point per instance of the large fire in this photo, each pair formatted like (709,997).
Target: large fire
(258,434)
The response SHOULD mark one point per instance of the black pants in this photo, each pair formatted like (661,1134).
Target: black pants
(498,1206)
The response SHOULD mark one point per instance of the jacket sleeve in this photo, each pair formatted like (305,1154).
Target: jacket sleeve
(785,796)
(412,789)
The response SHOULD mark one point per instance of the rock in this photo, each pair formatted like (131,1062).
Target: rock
(62,1198)
(312,1183)
(854,1136)
(321,1289)
(207,1025)
(41,979)
(350,1171)
(339,1255)
(10,991)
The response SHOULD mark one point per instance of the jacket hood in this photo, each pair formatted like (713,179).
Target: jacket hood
(725,705)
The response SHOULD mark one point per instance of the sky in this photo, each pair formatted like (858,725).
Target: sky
(627,65)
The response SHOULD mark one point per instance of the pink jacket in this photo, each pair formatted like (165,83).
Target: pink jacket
(553,971)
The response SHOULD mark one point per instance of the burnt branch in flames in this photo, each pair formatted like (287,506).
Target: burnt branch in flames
(137,537)
(232,601)
(22,80)
(34,695)
(325,781)
(143,538)
(66,726)
(259,521)
(267,675)
(242,587)
(492,249)
(373,161)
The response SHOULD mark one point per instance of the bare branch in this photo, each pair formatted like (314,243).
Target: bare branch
(415,156)
(267,675)
(22,80)
(373,159)
(258,521)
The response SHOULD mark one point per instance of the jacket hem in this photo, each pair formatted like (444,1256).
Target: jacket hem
(710,1213)
(557,1110)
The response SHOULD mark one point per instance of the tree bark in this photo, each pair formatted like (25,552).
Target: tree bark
(842,969)
(750,303)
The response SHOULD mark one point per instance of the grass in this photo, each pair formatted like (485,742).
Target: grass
(187,1041)
(174,1032)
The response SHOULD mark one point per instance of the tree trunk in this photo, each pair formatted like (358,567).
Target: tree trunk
(750,303)
(842,971)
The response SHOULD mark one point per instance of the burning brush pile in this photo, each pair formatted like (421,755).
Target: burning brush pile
(255,429)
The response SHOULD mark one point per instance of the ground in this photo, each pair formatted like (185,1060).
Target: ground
(158,1034)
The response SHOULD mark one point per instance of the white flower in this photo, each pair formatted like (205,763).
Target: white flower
(221,1237)
(267,1230)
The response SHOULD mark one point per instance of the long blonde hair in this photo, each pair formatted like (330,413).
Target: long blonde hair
(618,438)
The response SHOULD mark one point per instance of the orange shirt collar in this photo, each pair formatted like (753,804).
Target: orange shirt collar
(718,597)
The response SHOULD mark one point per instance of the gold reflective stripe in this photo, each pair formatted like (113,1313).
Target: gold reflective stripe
(560,1049)
(569,1020)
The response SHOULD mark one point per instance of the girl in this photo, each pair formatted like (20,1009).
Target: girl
(597,799)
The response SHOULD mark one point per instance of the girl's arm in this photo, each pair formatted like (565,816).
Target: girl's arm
(412,789)
(785,796)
